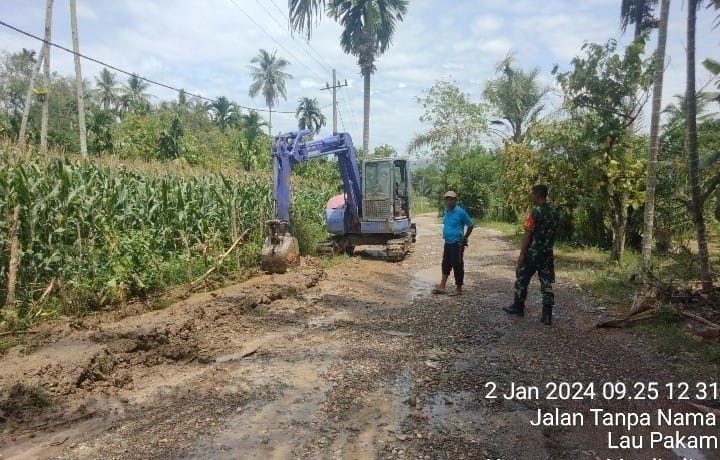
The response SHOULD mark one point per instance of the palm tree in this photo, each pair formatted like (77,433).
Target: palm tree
(107,89)
(654,143)
(223,112)
(638,13)
(516,95)
(691,147)
(135,89)
(368,29)
(269,78)
(309,115)
(251,123)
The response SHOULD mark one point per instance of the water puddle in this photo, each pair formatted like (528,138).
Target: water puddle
(450,410)
(422,283)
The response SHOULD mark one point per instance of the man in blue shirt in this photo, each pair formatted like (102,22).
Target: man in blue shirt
(455,234)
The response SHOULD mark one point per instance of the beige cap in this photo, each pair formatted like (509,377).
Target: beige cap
(450,194)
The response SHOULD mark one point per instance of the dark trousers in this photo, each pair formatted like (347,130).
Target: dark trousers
(453,260)
(546,274)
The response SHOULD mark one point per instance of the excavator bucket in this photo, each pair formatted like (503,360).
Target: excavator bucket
(280,251)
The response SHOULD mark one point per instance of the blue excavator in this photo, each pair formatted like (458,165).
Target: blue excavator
(373,210)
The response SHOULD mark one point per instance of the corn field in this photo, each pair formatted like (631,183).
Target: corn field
(99,235)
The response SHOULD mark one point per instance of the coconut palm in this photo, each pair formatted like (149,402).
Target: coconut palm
(368,29)
(309,115)
(269,79)
(251,123)
(135,90)
(515,95)
(654,143)
(691,147)
(223,112)
(106,89)
(639,14)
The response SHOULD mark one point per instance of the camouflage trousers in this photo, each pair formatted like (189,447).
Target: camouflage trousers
(546,274)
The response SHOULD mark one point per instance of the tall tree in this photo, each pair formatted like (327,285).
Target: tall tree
(135,90)
(639,14)
(15,71)
(78,79)
(368,29)
(691,148)
(309,115)
(454,118)
(516,95)
(608,91)
(45,93)
(106,89)
(269,79)
(651,181)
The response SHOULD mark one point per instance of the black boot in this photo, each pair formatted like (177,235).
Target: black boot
(546,318)
(515,310)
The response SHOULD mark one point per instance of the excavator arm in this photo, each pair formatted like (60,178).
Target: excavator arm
(281,248)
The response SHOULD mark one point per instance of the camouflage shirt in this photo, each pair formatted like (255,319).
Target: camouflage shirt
(542,221)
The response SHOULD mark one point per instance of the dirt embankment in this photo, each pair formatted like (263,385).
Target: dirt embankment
(358,361)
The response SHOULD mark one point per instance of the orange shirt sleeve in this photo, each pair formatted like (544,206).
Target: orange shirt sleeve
(529,223)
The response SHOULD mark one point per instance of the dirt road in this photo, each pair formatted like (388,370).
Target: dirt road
(357,361)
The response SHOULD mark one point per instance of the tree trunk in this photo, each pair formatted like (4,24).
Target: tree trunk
(46,78)
(651,181)
(696,206)
(270,124)
(78,79)
(366,113)
(14,261)
(28,100)
(44,50)
(618,217)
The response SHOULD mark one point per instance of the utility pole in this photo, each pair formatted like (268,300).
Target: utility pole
(334,88)
(46,79)
(78,79)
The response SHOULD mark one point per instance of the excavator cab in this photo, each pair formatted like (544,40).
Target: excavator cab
(386,194)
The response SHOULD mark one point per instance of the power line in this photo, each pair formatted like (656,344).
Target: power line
(293,38)
(342,122)
(352,111)
(273,38)
(131,74)
(328,66)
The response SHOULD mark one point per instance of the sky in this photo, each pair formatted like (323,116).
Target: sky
(206,46)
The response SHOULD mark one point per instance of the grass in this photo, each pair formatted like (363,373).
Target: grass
(22,398)
(508,230)
(422,205)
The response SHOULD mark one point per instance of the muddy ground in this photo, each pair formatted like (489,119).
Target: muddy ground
(356,361)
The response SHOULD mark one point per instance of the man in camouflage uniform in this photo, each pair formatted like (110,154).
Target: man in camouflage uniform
(536,255)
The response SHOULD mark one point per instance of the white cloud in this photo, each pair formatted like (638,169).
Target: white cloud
(487,23)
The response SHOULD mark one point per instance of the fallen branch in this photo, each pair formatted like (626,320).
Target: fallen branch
(18,332)
(622,322)
(698,318)
(44,295)
(219,262)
